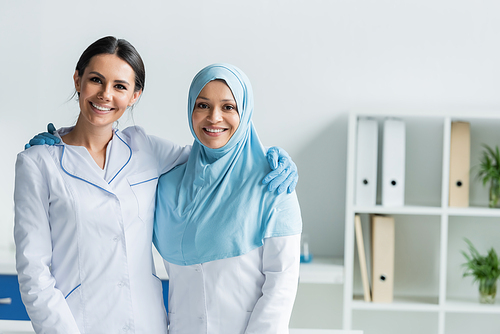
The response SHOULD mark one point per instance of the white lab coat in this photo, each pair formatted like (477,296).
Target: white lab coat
(83,243)
(252,293)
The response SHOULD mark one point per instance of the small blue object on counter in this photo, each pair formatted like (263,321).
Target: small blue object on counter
(306,258)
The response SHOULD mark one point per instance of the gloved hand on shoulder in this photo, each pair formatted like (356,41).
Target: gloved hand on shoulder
(284,175)
(44,138)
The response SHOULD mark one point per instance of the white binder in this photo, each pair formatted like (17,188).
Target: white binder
(393,162)
(366,162)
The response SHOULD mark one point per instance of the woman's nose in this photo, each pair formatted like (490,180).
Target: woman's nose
(105,93)
(215,115)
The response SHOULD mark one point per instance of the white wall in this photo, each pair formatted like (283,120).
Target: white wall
(309,61)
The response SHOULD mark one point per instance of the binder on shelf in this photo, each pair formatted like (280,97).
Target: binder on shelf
(459,164)
(362,258)
(382,258)
(366,162)
(393,162)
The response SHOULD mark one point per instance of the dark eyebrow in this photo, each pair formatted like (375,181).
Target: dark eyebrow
(102,77)
(226,100)
(98,74)
(122,82)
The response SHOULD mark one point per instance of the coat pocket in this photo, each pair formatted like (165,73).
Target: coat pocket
(143,185)
(74,301)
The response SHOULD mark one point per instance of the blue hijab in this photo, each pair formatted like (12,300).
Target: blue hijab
(215,206)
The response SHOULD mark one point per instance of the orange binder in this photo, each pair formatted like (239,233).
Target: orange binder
(459,164)
(382,258)
(362,258)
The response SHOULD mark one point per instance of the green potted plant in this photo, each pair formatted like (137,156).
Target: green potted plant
(485,270)
(489,171)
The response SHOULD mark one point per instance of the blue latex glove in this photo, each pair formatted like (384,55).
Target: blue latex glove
(44,137)
(284,175)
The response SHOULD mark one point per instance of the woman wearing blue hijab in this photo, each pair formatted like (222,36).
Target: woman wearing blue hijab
(231,248)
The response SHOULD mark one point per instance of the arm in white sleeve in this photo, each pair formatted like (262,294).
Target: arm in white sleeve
(281,262)
(45,304)
(168,153)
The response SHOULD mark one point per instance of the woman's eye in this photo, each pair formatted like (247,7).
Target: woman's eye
(229,108)
(121,87)
(95,79)
(202,105)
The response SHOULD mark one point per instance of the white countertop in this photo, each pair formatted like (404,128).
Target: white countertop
(322,270)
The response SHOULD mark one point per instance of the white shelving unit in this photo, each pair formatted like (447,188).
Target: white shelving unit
(429,234)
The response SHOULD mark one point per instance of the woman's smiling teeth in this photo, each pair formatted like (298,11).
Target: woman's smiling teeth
(100,108)
(214,130)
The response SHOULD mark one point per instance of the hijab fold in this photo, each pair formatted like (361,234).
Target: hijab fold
(215,206)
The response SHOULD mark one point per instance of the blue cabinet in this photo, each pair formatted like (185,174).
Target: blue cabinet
(9,288)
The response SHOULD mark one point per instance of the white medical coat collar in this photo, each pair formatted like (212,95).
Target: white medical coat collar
(73,164)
